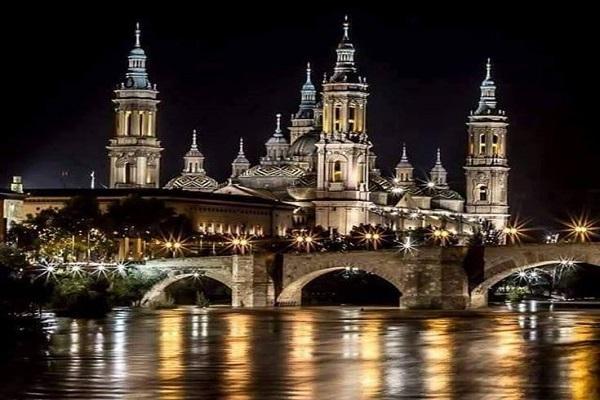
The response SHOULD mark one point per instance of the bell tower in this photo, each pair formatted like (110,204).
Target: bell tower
(342,196)
(486,167)
(134,150)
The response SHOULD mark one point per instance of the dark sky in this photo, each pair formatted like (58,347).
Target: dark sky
(227,72)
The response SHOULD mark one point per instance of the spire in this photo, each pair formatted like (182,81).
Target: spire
(194,159)
(308,97)
(345,55)
(241,152)
(404,158)
(487,101)
(438,173)
(194,144)
(138,33)
(278,126)
(136,76)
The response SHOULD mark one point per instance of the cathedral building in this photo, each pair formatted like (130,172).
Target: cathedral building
(321,169)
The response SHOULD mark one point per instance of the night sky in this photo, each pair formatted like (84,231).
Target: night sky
(227,75)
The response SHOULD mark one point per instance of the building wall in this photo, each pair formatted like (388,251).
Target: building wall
(208,216)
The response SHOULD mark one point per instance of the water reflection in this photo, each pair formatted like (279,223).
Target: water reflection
(237,358)
(170,366)
(327,353)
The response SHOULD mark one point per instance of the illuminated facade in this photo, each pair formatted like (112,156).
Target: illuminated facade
(487,168)
(134,151)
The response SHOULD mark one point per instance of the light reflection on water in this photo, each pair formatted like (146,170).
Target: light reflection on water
(319,353)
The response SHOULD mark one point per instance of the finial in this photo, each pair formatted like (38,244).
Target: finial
(93,180)
(137,34)
(439,157)
(346,27)
(194,145)
(404,157)
(278,128)
(488,69)
(308,72)
(241,152)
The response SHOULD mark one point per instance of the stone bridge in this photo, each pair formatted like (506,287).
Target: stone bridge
(440,278)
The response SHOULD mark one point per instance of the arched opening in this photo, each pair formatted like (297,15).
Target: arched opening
(198,290)
(214,287)
(337,171)
(557,280)
(341,286)
(350,287)
(482,193)
(482,144)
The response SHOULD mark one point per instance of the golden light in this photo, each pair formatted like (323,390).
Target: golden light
(177,245)
(368,236)
(300,239)
(308,239)
(240,243)
(440,235)
(168,245)
(581,228)
(515,231)
(376,236)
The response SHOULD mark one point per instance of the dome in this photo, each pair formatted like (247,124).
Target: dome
(284,171)
(305,145)
(137,51)
(193,182)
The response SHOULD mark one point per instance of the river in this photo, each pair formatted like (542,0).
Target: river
(315,353)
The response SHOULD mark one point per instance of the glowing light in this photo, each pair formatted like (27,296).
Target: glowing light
(241,244)
(430,185)
(581,228)
(408,246)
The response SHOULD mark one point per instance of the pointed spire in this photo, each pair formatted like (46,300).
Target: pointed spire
(308,81)
(278,125)
(138,33)
(345,54)
(487,101)
(346,26)
(241,152)
(194,144)
(404,158)
(438,173)
(137,76)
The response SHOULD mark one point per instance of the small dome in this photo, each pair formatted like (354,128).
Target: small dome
(305,145)
(193,182)
(284,171)
(138,52)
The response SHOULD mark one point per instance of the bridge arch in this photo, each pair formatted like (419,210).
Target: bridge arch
(157,292)
(291,295)
(501,262)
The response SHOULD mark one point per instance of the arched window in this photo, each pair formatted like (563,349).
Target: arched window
(495,144)
(337,171)
(483,193)
(337,118)
(351,118)
(482,144)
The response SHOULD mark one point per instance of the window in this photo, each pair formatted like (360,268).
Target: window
(337,116)
(495,144)
(483,193)
(351,118)
(482,143)
(337,171)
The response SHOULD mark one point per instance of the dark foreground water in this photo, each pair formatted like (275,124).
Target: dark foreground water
(320,353)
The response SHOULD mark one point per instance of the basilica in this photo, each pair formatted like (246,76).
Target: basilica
(321,166)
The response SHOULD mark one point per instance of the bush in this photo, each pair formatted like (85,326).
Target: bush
(81,297)
(516,294)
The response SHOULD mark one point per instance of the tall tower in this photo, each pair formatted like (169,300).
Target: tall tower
(438,174)
(134,151)
(240,163)
(404,170)
(304,120)
(486,168)
(342,197)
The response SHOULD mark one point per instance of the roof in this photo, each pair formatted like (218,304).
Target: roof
(168,194)
(268,171)
(193,182)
